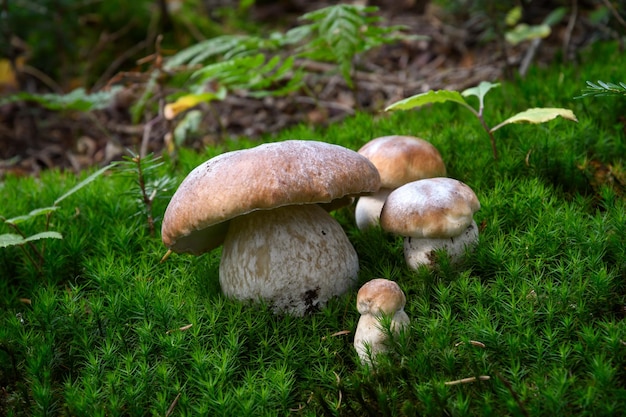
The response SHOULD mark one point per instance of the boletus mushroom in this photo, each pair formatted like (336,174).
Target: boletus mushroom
(377,299)
(432,214)
(263,204)
(399,160)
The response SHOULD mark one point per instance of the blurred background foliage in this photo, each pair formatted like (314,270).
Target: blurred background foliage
(79,43)
(65,44)
(61,60)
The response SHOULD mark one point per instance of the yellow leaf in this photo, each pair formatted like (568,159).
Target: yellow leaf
(8,79)
(190,100)
(538,115)
(183,103)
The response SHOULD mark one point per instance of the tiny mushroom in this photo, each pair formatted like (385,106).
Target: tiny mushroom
(399,160)
(432,214)
(375,300)
(263,204)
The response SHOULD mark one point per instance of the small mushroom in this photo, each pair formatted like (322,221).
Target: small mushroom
(375,300)
(263,204)
(399,160)
(432,214)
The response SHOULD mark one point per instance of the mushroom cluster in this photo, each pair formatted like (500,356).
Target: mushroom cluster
(264,205)
(399,160)
(377,299)
(432,214)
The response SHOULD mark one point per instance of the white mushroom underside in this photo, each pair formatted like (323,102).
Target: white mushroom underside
(370,339)
(368,208)
(295,258)
(421,251)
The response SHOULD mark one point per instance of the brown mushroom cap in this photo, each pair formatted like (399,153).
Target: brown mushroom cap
(260,178)
(402,159)
(380,296)
(430,208)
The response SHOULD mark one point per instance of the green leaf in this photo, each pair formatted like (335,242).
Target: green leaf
(538,115)
(11,239)
(232,72)
(555,16)
(84,182)
(513,16)
(439,96)
(44,235)
(34,213)
(224,47)
(524,32)
(480,91)
(77,99)
(296,35)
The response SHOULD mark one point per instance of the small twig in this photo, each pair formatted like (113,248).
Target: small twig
(614,11)
(570,28)
(105,40)
(166,256)
(171,407)
(339,333)
(158,68)
(509,387)
(327,104)
(147,131)
(117,62)
(180,329)
(528,57)
(49,82)
(473,343)
(468,380)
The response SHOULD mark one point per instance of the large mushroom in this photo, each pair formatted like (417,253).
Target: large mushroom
(432,214)
(377,299)
(263,204)
(399,160)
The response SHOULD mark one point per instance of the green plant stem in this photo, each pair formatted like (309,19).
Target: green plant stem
(31,259)
(32,246)
(43,244)
(516,398)
(147,200)
(481,119)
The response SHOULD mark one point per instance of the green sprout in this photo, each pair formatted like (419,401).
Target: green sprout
(19,238)
(533,115)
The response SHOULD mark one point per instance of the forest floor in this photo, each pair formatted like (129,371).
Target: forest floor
(458,53)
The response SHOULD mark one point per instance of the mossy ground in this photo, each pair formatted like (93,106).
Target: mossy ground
(105,329)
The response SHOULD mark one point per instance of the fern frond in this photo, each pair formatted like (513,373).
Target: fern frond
(250,73)
(342,31)
(222,48)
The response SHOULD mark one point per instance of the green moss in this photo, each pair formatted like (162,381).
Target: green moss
(105,329)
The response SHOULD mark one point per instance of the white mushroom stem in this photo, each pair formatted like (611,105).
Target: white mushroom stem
(295,258)
(421,251)
(371,339)
(368,208)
